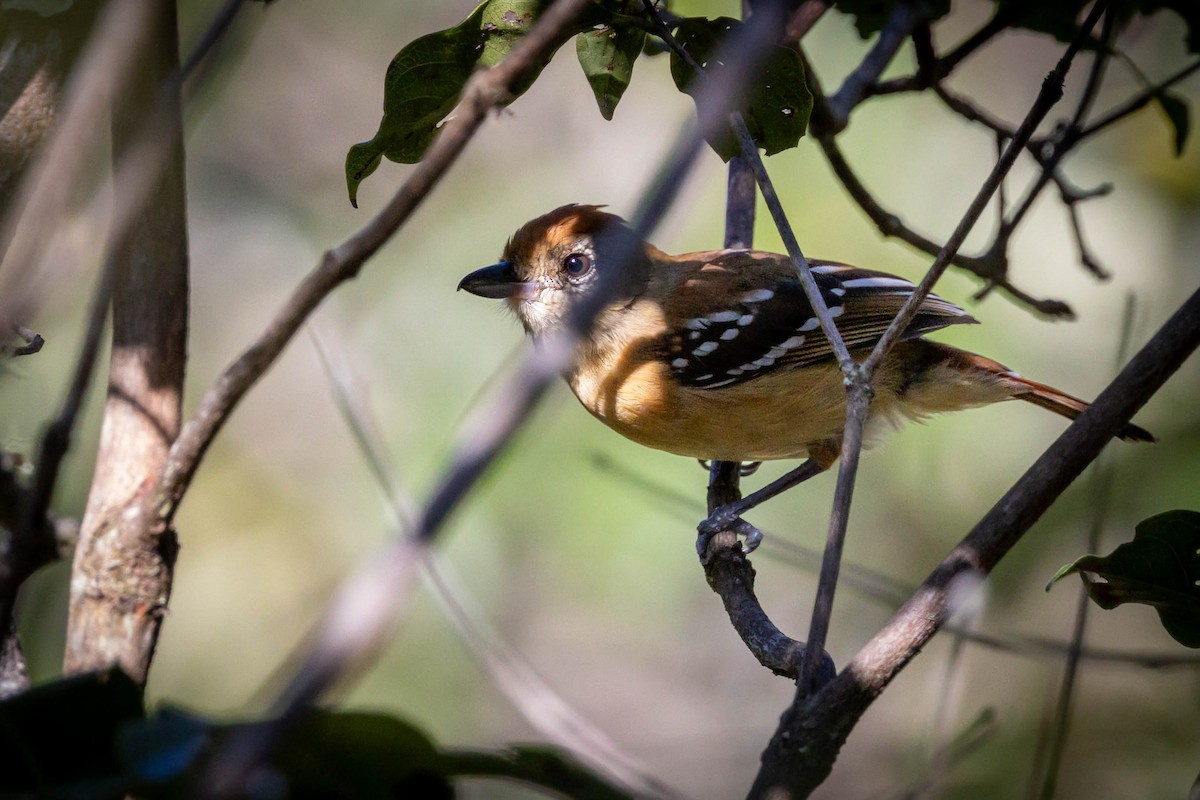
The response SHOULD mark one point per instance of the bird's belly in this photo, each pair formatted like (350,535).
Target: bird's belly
(773,416)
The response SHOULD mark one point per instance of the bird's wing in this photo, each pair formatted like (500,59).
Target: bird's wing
(730,325)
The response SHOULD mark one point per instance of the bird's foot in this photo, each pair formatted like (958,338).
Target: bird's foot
(726,519)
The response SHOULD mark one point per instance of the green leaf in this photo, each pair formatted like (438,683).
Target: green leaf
(362,755)
(778,105)
(607,53)
(540,766)
(425,79)
(1178,114)
(63,734)
(1160,568)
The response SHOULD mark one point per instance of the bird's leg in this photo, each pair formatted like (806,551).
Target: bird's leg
(728,516)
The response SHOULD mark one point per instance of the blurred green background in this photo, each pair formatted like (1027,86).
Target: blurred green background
(590,576)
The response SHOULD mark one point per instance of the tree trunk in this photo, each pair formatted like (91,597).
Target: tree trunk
(121,580)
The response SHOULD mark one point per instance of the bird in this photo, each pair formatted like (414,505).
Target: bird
(718,354)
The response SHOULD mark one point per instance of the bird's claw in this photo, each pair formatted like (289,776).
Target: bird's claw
(725,520)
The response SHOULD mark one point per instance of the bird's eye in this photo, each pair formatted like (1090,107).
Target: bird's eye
(577,264)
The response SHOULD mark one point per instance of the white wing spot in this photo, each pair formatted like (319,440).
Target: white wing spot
(745,319)
(704,349)
(827,268)
(696,324)
(680,363)
(810,324)
(795,341)
(733,372)
(836,311)
(877,282)
(757,296)
(776,352)
(748,367)
(703,377)
(730,334)
(838,291)
(723,316)
(694,335)
(719,384)
(765,361)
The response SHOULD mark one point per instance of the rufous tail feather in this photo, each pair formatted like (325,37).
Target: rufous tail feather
(1070,407)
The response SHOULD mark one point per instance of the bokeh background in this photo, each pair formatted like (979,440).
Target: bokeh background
(591,574)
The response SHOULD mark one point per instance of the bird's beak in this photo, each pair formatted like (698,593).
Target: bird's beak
(497,282)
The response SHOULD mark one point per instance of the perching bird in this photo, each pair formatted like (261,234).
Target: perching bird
(718,355)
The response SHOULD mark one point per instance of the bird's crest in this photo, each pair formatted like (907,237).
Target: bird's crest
(563,224)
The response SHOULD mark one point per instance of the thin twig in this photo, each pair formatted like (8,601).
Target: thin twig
(1067,136)
(1137,102)
(33,341)
(904,18)
(947,63)
(1051,91)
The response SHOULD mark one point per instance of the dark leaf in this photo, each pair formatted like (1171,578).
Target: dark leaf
(870,15)
(425,79)
(362,755)
(540,766)
(607,53)
(1061,19)
(778,105)
(1178,114)
(1160,568)
(164,746)
(63,735)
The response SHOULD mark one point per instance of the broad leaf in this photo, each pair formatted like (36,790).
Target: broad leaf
(607,53)
(63,734)
(1160,568)
(425,79)
(778,105)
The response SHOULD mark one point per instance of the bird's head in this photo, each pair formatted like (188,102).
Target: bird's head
(551,263)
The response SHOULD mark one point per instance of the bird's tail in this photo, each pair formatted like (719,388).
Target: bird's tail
(1070,407)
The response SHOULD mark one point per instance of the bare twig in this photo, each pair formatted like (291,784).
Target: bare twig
(904,18)
(806,15)
(33,341)
(992,267)
(942,68)
(1136,103)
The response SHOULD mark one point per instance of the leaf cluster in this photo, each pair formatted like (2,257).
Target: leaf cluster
(426,78)
(88,737)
